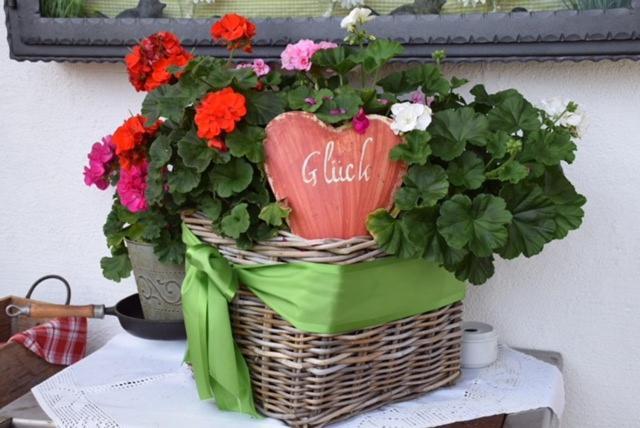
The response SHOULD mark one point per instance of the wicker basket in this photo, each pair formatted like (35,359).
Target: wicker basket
(310,380)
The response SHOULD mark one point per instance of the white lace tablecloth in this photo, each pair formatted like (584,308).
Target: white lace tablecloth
(132,382)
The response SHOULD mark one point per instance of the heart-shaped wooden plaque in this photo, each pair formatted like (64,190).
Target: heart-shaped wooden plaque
(332,178)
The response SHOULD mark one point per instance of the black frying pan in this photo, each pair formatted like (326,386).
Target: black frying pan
(128,311)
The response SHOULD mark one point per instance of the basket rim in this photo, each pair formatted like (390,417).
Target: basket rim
(286,247)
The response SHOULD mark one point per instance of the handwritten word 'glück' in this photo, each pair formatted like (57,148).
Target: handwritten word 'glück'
(334,171)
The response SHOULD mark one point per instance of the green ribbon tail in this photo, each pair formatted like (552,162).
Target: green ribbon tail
(219,368)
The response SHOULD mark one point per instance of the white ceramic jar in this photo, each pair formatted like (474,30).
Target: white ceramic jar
(479,345)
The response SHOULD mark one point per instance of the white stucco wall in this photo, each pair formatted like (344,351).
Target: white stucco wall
(580,297)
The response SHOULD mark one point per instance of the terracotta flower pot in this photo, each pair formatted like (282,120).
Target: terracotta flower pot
(158,283)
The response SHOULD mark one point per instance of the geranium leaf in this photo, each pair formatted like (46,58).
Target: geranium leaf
(183,179)
(421,229)
(297,99)
(452,129)
(155,184)
(427,76)
(263,106)
(160,151)
(568,203)
(244,78)
(423,186)
(211,207)
(167,101)
(232,177)
(339,59)
(457,82)
(480,224)
(476,270)
(169,249)
(497,144)
(511,171)
(195,153)
(466,171)
(344,105)
(153,223)
(549,148)
(514,113)
(274,213)
(532,225)
(116,267)
(236,222)
(390,234)
(378,53)
(415,150)
(247,141)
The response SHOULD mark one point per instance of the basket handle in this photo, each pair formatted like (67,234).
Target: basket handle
(47,277)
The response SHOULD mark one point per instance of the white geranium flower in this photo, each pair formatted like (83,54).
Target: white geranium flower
(356,17)
(565,113)
(203,1)
(554,106)
(410,116)
(348,4)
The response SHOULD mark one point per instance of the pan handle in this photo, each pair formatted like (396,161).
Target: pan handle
(49,310)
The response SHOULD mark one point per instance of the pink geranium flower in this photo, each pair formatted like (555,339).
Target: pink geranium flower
(419,97)
(260,67)
(297,56)
(360,122)
(132,187)
(101,162)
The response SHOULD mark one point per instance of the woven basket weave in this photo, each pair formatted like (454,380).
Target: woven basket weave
(310,380)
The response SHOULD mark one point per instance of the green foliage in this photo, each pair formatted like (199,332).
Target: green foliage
(247,141)
(236,222)
(340,59)
(478,224)
(427,76)
(390,234)
(274,214)
(263,106)
(484,178)
(513,113)
(232,177)
(423,186)
(452,129)
(116,267)
(64,8)
(194,152)
(466,171)
(377,54)
(415,150)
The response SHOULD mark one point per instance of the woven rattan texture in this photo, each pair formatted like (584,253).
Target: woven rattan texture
(310,380)
(286,247)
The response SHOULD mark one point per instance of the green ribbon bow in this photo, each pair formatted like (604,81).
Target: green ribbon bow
(314,297)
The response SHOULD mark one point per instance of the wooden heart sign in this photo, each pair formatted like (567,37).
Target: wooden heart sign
(331,178)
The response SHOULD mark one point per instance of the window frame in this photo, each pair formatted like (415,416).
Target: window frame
(519,36)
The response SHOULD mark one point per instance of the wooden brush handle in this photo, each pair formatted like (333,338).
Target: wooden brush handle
(48,310)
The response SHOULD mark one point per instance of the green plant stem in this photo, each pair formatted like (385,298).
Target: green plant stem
(206,83)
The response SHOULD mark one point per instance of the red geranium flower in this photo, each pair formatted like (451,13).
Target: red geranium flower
(236,30)
(148,61)
(217,113)
(131,140)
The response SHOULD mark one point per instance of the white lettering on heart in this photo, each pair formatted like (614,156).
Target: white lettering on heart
(333,170)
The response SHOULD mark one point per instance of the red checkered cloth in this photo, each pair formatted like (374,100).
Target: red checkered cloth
(60,341)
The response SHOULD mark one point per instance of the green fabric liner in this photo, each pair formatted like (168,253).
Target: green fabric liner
(315,298)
